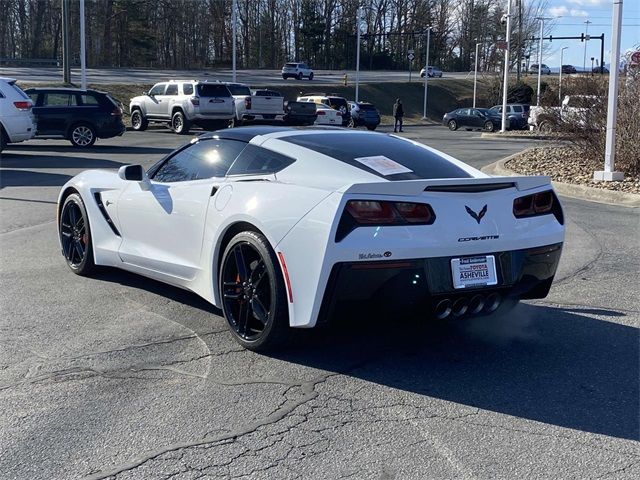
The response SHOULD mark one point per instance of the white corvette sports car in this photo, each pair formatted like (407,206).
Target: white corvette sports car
(274,225)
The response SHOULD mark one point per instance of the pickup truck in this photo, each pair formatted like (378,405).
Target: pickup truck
(574,108)
(299,113)
(259,105)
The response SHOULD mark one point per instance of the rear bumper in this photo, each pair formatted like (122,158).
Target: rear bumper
(212,116)
(427,282)
(112,131)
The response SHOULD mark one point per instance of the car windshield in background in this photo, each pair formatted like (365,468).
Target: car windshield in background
(239,90)
(267,93)
(422,163)
(366,106)
(209,90)
(291,65)
(337,102)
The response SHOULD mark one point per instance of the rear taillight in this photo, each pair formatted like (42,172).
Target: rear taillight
(338,114)
(116,112)
(23,106)
(541,203)
(321,112)
(247,103)
(359,213)
(195,101)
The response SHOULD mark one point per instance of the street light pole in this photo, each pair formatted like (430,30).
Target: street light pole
(83,51)
(234,7)
(358,15)
(475,76)
(426,74)
(542,19)
(560,80)
(609,174)
(584,58)
(505,87)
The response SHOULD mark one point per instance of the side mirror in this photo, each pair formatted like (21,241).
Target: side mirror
(132,173)
(145,93)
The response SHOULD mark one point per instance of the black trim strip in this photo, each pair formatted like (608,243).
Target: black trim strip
(98,197)
(470,188)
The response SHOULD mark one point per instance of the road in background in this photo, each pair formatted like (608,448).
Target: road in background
(251,77)
(120,375)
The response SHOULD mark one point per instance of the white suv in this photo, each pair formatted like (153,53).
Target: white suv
(182,103)
(297,70)
(17,122)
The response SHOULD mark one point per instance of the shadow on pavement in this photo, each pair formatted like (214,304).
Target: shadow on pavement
(55,161)
(26,178)
(551,365)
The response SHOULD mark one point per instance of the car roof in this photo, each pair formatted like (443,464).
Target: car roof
(8,80)
(64,90)
(246,134)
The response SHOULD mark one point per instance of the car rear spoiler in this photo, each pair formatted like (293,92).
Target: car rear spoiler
(468,185)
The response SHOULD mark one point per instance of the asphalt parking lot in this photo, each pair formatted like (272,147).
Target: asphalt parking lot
(118,376)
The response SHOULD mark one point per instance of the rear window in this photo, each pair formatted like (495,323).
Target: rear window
(212,90)
(291,65)
(517,108)
(367,106)
(19,90)
(423,163)
(239,90)
(337,102)
(267,93)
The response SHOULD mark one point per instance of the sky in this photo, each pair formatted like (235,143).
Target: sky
(570,17)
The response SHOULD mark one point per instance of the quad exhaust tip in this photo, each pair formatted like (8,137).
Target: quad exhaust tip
(443,309)
(460,307)
(476,304)
(492,302)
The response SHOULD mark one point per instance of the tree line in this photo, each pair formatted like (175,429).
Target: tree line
(194,34)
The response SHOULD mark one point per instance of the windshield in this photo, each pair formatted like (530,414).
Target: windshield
(212,90)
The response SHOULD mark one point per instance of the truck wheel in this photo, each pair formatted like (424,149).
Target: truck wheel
(300,76)
(545,127)
(311,76)
(179,123)
(138,121)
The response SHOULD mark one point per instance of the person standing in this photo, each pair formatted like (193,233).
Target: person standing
(398,113)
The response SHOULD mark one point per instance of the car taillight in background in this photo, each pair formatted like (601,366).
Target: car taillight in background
(321,112)
(23,106)
(359,213)
(247,103)
(195,101)
(116,112)
(541,203)
(338,114)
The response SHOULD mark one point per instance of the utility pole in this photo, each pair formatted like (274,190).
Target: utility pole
(358,28)
(519,56)
(426,74)
(505,87)
(609,174)
(475,76)
(560,79)
(542,19)
(234,8)
(66,53)
(586,39)
(83,50)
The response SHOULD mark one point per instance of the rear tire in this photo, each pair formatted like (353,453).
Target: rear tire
(299,77)
(179,123)
(82,135)
(138,121)
(545,127)
(311,76)
(3,139)
(488,126)
(453,125)
(75,236)
(254,296)
(371,127)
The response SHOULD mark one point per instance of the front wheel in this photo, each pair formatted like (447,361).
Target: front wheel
(82,136)
(546,127)
(254,299)
(75,236)
(488,126)
(371,127)
(179,123)
(299,77)
(311,76)
(453,125)
(138,121)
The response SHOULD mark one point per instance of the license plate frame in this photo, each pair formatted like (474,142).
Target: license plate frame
(476,271)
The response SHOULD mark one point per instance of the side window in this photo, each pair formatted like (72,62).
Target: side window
(498,109)
(517,108)
(259,161)
(157,89)
(55,99)
(187,89)
(204,159)
(88,99)
(172,89)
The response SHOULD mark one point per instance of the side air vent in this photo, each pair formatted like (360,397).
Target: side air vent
(470,188)
(98,197)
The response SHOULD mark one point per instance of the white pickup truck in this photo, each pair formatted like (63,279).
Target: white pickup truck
(259,105)
(574,108)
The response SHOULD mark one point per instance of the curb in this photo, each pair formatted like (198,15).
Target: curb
(580,192)
(499,136)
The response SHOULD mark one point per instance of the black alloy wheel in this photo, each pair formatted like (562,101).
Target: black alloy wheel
(453,125)
(488,126)
(75,236)
(253,294)
(82,136)
(138,122)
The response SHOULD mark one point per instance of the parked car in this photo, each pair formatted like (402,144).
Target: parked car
(364,114)
(328,116)
(17,121)
(431,71)
(574,109)
(472,118)
(544,70)
(281,254)
(332,100)
(297,70)
(600,69)
(518,114)
(568,69)
(299,113)
(258,106)
(80,116)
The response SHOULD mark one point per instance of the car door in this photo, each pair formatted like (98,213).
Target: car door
(476,118)
(155,101)
(54,112)
(163,220)
(464,117)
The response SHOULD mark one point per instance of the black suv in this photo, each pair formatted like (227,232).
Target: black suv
(80,116)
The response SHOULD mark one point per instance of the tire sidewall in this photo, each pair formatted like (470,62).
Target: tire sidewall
(185,126)
(87,264)
(141,124)
(488,126)
(86,125)
(453,125)
(278,322)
